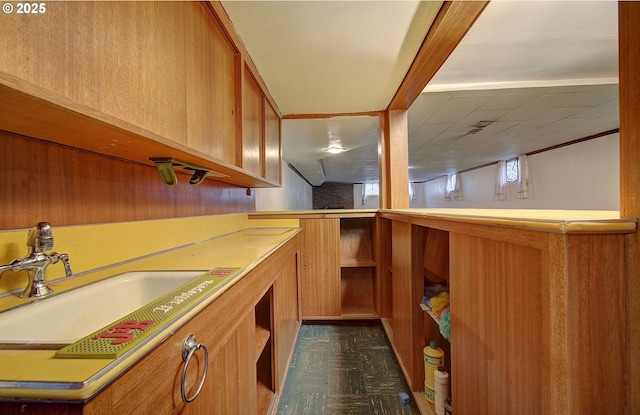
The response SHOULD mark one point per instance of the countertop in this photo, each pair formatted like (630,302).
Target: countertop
(560,221)
(37,374)
(547,220)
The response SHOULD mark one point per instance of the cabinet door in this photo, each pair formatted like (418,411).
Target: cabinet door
(232,373)
(320,282)
(211,86)
(252,125)
(153,384)
(124,59)
(271,144)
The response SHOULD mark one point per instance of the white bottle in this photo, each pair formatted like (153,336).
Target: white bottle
(441,381)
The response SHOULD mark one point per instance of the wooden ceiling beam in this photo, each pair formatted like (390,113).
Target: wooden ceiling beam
(449,27)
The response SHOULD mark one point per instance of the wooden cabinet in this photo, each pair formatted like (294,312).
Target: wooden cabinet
(339,275)
(260,132)
(249,332)
(562,312)
(272,145)
(532,314)
(137,80)
(211,87)
(250,341)
(252,124)
(122,59)
(320,289)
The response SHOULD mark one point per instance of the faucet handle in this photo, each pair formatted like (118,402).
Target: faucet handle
(64,258)
(67,266)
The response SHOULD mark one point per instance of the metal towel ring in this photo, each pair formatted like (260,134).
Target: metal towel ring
(189,347)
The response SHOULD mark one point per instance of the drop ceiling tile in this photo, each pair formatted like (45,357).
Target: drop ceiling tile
(510,99)
(429,131)
(609,107)
(549,117)
(540,105)
(428,103)
(457,108)
(595,95)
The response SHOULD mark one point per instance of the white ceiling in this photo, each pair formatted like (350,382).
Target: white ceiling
(544,73)
(327,57)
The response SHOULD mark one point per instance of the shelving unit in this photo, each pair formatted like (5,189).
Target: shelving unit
(434,249)
(357,267)
(264,355)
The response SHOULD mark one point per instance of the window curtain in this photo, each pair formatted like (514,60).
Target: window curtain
(524,179)
(412,193)
(453,188)
(501,182)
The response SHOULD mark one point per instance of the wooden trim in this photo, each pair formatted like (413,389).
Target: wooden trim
(453,21)
(333,115)
(629,60)
(576,141)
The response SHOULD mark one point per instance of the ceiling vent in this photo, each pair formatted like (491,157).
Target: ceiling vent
(477,127)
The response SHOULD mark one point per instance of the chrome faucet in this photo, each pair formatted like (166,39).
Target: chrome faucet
(39,240)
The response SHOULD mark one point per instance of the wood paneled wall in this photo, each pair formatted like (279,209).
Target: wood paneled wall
(42,181)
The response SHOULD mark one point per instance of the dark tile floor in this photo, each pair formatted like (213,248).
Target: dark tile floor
(344,369)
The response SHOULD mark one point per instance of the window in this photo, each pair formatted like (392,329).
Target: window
(371,189)
(512,170)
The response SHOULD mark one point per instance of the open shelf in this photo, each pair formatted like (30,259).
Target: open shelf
(263,336)
(435,271)
(431,314)
(357,267)
(425,407)
(357,262)
(264,355)
(358,292)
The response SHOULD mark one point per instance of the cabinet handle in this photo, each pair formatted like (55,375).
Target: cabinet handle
(189,347)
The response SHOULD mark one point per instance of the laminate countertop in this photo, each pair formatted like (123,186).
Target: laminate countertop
(38,374)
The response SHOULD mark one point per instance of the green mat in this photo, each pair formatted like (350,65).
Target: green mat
(124,334)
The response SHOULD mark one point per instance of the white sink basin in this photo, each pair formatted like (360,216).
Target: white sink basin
(70,316)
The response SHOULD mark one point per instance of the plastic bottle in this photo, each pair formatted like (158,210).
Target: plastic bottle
(441,380)
(433,358)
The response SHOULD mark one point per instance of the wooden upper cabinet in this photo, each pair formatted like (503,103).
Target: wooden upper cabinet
(124,59)
(272,145)
(137,80)
(260,132)
(211,86)
(252,124)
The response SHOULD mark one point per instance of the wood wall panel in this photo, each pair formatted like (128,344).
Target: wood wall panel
(65,186)
(500,320)
(595,322)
